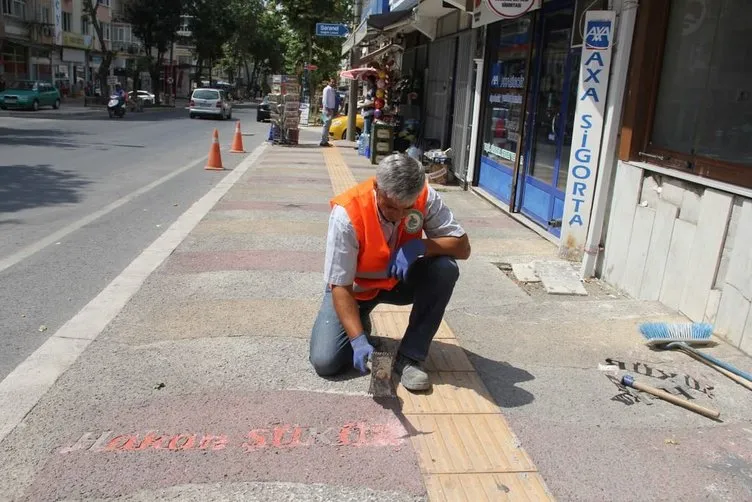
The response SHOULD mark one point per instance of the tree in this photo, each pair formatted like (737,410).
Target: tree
(303,45)
(155,23)
(212,25)
(269,46)
(90,8)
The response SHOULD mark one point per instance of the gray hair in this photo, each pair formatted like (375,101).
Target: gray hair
(401,177)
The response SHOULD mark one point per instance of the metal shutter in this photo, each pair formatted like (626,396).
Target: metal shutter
(461,118)
(438,95)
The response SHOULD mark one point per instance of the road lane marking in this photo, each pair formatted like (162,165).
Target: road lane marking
(29,381)
(34,248)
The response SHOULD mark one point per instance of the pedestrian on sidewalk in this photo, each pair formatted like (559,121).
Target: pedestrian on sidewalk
(328,107)
(375,254)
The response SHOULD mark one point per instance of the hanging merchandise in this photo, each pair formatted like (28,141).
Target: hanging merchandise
(284,105)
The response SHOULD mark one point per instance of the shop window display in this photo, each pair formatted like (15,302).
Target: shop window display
(503,127)
(509,49)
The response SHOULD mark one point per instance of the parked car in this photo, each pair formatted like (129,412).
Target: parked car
(338,130)
(29,95)
(145,96)
(263,112)
(210,103)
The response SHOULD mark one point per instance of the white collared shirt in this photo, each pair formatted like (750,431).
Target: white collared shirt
(342,241)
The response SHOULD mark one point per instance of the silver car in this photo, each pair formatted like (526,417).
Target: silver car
(210,103)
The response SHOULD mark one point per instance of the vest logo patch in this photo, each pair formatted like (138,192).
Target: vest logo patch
(414,221)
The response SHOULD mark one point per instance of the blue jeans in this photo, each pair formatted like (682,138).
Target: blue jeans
(367,122)
(327,125)
(429,288)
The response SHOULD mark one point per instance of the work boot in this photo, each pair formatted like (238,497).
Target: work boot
(412,376)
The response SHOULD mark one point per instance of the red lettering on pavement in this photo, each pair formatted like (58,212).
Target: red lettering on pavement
(122,443)
(256,440)
(220,442)
(152,440)
(285,436)
(182,442)
(280,434)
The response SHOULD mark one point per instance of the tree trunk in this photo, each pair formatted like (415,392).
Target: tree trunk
(199,71)
(90,9)
(255,72)
(157,68)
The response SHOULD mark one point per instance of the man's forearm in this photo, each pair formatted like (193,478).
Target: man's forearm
(347,310)
(456,247)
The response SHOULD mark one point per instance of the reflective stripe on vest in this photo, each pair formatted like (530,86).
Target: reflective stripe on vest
(374,253)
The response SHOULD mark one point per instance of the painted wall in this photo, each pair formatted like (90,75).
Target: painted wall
(685,245)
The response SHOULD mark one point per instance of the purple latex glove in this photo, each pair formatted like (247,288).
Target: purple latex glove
(362,351)
(404,257)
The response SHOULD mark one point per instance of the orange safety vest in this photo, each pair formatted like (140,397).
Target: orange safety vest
(372,272)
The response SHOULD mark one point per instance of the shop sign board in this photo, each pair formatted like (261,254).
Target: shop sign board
(77,41)
(489,11)
(587,132)
(57,12)
(305,110)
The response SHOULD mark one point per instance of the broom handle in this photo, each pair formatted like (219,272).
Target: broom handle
(724,371)
(717,362)
(628,380)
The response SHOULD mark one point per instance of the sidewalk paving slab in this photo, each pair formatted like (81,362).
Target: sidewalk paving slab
(200,389)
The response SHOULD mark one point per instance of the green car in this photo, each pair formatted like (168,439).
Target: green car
(30,95)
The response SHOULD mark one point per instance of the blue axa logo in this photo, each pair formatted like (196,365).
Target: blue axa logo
(598,35)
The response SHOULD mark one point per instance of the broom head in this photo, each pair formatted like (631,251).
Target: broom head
(659,334)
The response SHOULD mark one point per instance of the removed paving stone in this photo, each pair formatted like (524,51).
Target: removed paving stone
(559,277)
(525,272)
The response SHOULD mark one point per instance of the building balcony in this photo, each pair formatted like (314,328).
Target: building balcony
(132,48)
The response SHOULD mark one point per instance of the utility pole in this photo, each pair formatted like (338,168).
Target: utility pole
(353,102)
(172,73)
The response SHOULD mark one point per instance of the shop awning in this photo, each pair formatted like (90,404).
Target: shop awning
(372,26)
(358,73)
(378,52)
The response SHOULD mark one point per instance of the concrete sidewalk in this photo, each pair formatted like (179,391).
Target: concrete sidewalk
(200,388)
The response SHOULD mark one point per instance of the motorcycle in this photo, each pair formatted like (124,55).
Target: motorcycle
(116,107)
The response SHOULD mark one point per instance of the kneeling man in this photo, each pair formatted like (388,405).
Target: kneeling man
(376,253)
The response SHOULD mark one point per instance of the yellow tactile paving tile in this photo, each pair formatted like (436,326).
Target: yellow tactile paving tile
(456,444)
(392,324)
(341,176)
(494,487)
(447,355)
(452,392)
(392,308)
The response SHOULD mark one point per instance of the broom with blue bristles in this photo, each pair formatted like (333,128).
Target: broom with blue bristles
(683,336)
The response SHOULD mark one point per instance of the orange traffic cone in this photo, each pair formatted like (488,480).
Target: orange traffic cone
(215,159)
(237,141)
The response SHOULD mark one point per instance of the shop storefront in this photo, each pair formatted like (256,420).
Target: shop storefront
(14,62)
(40,63)
(531,68)
(74,62)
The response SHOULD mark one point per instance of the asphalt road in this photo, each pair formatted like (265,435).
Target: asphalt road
(82,195)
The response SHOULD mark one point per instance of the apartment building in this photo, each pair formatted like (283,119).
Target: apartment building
(54,40)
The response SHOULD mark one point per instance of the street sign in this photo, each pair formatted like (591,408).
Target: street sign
(311,67)
(331,30)
(595,67)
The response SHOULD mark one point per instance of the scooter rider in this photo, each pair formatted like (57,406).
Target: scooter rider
(120,94)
